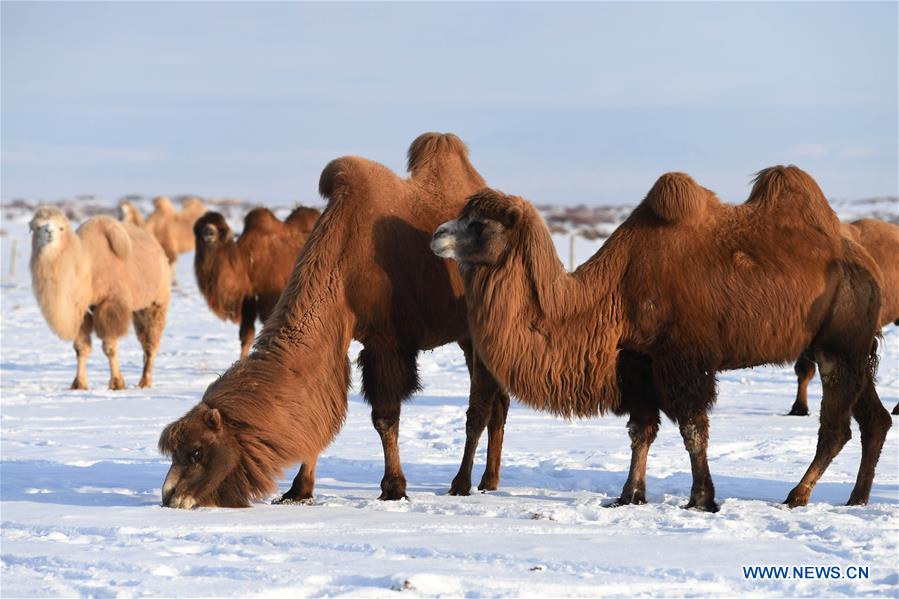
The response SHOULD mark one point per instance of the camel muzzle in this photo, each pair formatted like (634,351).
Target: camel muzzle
(443,243)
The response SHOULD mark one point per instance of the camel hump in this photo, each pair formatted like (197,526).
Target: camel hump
(776,183)
(428,145)
(303,218)
(676,197)
(851,231)
(115,232)
(260,219)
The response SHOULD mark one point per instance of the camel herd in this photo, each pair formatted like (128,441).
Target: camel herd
(686,287)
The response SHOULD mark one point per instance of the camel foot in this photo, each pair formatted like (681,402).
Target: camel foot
(629,498)
(393,489)
(858,498)
(703,505)
(798,497)
(461,486)
(797,410)
(79,385)
(116,383)
(145,383)
(285,500)
(488,483)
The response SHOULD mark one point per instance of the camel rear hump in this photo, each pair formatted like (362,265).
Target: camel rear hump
(791,190)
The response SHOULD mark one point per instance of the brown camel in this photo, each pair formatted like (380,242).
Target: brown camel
(365,273)
(881,239)
(685,288)
(243,279)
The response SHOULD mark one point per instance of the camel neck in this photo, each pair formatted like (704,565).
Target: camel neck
(548,338)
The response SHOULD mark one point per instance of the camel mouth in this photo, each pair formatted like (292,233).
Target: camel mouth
(443,243)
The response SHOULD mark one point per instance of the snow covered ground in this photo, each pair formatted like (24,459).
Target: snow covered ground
(80,486)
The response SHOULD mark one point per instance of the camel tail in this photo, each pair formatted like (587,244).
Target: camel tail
(676,197)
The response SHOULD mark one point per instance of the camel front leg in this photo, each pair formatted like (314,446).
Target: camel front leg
(111,349)
(82,347)
(805,372)
(638,398)
(495,432)
(386,420)
(247,333)
(303,485)
(695,431)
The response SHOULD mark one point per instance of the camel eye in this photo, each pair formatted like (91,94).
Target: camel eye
(194,456)
(476,227)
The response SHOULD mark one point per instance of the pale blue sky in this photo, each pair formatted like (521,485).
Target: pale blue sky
(564,103)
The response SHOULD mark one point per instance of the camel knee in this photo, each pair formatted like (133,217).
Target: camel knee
(641,433)
(695,437)
(804,368)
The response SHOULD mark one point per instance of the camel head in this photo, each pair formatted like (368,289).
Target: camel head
(206,462)
(211,228)
(48,226)
(485,230)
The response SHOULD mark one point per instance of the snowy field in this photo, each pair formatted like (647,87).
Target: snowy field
(80,486)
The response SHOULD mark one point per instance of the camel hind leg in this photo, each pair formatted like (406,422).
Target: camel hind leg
(389,375)
(148,326)
(842,384)
(805,372)
(247,332)
(111,321)
(82,347)
(873,423)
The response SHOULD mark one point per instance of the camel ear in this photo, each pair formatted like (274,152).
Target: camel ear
(511,217)
(214,420)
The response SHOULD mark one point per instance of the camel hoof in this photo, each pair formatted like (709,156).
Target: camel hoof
(633,498)
(857,499)
(145,383)
(79,385)
(797,498)
(460,488)
(285,500)
(798,411)
(393,489)
(708,505)
(116,384)
(488,484)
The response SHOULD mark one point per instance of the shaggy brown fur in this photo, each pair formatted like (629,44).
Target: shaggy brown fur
(881,239)
(174,230)
(94,281)
(244,279)
(365,273)
(668,301)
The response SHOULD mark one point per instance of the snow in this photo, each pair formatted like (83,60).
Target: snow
(80,482)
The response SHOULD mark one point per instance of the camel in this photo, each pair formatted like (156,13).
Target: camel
(244,279)
(128,213)
(684,288)
(94,280)
(174,230)
(364,273)
(881,239)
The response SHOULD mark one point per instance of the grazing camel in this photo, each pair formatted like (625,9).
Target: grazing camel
(881,239)
(174,230)
(94,281)
(244,279)
(364,273)
(684,288)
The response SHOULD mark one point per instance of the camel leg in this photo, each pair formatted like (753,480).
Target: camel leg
(111,349)
(388,377)
(639,399)
(841,386)
(82,347)
(805,371)
(480,412)
(495,432)
(873,422)
(148,326)
(303,485)
(695,431)
(247,331)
